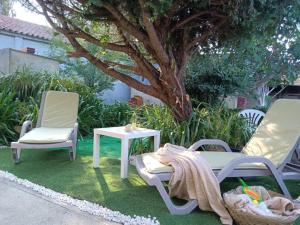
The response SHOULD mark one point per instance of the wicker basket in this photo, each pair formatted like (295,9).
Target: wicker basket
(243,217)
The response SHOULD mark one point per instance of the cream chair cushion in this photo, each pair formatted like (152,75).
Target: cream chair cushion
(278,132)
(152,164)
(46,135)
(216,161)
(60,109)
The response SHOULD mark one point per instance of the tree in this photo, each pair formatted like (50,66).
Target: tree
(253,65)
(6,7)
(158,37)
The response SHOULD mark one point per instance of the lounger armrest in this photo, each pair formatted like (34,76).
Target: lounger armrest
(25,127)
(235,163)
(202,142)
(249,159)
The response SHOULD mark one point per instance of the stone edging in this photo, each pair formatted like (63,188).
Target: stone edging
(83,205)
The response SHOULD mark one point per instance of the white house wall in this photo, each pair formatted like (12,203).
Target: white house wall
(15,41)
(119,93)
(7,41)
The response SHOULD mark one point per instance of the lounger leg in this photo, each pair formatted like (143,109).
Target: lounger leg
(72,152)
(74,143)
(154,180)
(16,154)
(175,209)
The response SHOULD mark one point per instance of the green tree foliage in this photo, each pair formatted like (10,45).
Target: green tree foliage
(244,65)
(158,37)
(6,7)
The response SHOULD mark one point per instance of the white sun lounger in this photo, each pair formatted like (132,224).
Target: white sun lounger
(56,125)
(272,151)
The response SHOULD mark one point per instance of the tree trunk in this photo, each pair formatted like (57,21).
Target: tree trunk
(182,111)
(178,101)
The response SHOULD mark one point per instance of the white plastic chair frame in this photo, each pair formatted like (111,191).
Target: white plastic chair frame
(253,116)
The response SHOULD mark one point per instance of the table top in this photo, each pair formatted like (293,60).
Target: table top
(120,132)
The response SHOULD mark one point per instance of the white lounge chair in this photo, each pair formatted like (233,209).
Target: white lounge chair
(56,125)
(273,150)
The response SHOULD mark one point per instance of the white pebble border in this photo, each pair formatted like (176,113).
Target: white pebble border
(83,205)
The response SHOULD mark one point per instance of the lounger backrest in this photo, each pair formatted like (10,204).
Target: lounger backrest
(59,109)
(278,132)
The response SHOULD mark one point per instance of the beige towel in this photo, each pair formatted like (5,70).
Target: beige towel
(283,206)
(193,179)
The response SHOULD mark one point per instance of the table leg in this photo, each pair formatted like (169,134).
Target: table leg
(156,142)
(124,158)
(96,150)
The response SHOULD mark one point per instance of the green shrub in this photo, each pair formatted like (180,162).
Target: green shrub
(25,83)
(8,117)
(206,122)
(118,114)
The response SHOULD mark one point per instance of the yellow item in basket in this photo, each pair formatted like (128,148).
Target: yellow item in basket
(255,197)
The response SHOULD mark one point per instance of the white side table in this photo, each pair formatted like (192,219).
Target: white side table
(119,132)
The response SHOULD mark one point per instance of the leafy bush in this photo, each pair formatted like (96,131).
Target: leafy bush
(25,83)
(205,122)
(8,118)
(118,114)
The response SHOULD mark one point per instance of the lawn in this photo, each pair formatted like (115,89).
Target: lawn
(131,196)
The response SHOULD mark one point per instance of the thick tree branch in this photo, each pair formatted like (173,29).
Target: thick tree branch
(133,69)
(111,46)
(113,73)
(146,67)
(154,39)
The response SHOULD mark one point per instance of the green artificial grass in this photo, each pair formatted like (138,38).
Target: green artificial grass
(110,147)
(131,196)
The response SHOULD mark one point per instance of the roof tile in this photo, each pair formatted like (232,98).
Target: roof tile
(22,27)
